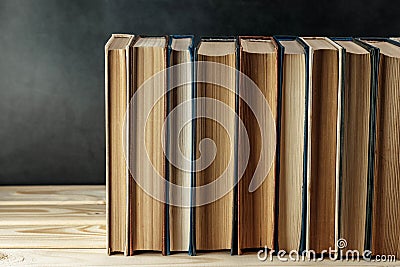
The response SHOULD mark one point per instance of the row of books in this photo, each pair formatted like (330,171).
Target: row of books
(335,172)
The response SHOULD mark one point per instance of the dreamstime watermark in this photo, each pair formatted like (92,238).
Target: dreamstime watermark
(143,117)
(334,254)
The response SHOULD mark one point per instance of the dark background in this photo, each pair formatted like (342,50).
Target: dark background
(52,66)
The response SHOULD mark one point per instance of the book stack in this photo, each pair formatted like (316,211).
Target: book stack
(254,142)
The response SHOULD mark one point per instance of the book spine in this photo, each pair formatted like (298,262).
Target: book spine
(278,143)
(129,179)
(166,245)
(192,246)
(281,53)
(375,57)
(165,231)
(234,246)
(192,236)
(307,156)
(107,145)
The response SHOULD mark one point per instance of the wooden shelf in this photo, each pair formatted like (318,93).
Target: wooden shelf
(65,226)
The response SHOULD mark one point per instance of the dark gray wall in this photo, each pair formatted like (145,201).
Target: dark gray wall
(51,66)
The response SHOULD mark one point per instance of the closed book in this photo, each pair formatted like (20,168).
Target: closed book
(358,124)
(215,211)
(147,159)
(117,95)
(256,209)
(180,102)
(385,228)
(325,80)
(293,142)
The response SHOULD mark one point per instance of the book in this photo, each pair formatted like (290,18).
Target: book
(385,227)
(293,67)
(256,210)
(117,174)
(214,213)
(147,229)
(325,79)
(359,90)
(186,143)
(180,105)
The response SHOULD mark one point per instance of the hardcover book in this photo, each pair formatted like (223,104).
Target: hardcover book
(185,144)
(215,222)
(256,210)
(385,227)
(180,140)
(325,80)
(358,124)
(147,230)
(117,95)
(294,132)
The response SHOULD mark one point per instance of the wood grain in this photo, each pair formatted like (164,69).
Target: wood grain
(98,257)
(51,214)
(49,237)
(52,195)
(80,235)
(52,217)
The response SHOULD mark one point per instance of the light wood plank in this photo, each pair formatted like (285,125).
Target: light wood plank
(98,257)
(52,217)
(53,236)
(52,195)
(57,226)
(83,226)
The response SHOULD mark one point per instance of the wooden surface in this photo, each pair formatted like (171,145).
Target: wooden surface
(98,257)
(52,195)
(73,216)
(52,217)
